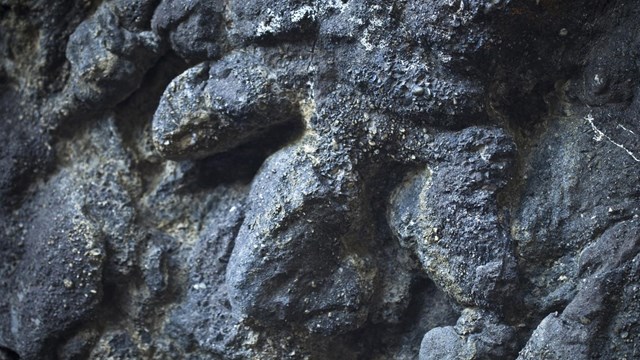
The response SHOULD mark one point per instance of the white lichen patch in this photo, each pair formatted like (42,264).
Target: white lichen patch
(366,39)
(272,25)
(305,11)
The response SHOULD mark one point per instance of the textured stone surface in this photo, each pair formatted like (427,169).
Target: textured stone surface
(344,179)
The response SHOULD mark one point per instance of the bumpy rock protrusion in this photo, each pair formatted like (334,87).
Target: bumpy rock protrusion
(212,108)
(107,61)
(206,311)
(448,213)
(134,15)
(612,70)
(298,257)
(195,29)
(477,335)
(40,304)
(604,265)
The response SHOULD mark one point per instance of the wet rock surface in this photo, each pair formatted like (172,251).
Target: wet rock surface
(319,179)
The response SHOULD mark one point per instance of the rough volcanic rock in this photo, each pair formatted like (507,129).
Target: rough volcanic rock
(212,108)
(343,179)
(107,61)
(448,214)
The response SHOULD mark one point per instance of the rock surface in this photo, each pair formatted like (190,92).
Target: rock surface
(343,179)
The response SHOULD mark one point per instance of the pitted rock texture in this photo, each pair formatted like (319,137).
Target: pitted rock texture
(343,179)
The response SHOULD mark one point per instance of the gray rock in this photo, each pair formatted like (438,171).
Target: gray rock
(449,215)
(215,107)
(477,335)
(335,179)
(55,281)
(108,62)
(296,257)
(195,29)
(205,312)
(134,15)
(268,21)
(603,265)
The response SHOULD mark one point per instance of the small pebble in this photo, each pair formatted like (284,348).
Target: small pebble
(418,91)
(67,283)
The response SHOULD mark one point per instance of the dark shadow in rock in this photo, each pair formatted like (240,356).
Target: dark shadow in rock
(8,354)
(429,308)
(137,110)
(78,342)
(243,162)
